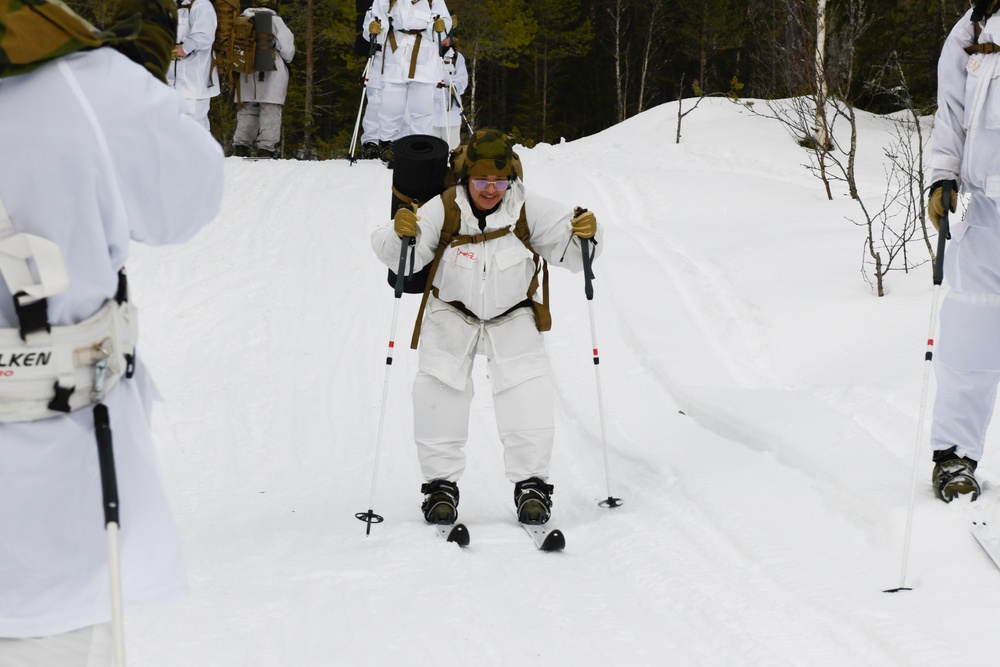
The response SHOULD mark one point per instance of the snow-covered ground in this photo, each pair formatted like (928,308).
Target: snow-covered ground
(761,409)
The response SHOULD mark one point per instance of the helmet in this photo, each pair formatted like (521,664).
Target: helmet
(489,153)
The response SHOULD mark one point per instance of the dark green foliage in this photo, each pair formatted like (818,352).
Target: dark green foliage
(548,67)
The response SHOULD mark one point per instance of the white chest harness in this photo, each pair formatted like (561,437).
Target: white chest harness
(49,370)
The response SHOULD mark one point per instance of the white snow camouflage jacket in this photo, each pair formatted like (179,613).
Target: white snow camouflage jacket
(966,141)
(491,277)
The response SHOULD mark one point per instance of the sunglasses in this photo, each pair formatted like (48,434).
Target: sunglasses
(482,184)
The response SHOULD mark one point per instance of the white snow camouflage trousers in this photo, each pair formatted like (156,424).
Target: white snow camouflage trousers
(522,391)
(967,362)
(258,123)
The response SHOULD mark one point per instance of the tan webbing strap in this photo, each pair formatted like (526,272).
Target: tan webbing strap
(466,239)
(452,223)
(988,47)
(976,47)
(413,56)
(404,198)
(543,316)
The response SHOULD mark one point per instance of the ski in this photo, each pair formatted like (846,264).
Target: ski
(988,540)
(453,532)
(545,538)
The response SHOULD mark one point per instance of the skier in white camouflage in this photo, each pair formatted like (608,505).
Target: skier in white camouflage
(409,65)
(448,97)
(965,155)
(481,298)
(262,96)
(192,73)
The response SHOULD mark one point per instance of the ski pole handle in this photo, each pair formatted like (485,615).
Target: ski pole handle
(588,258)
(588,271)
(407,243)
(944,232)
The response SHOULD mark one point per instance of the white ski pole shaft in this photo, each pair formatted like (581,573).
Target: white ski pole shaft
(600,404)
(370,517)
(943,234)
(117,610)
(588,273)
(361,105)
(109,492)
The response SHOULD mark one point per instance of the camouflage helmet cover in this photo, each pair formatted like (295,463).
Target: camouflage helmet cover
(153,45)
(33,32)
(489,153)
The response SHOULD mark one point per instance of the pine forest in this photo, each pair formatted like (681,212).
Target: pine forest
(547,70)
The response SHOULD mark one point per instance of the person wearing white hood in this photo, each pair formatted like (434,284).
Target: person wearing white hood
(448,97)
(965,155)
(261,96)
(192,73)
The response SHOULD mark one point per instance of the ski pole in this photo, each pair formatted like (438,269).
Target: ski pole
(588,276)
(370,517)
(109,493)
(364,96)
(943,235)
(458,102)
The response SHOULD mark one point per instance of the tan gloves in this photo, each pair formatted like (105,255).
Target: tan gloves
(439,25)
(935,205)
(374,28)
(584,223)
(405,222)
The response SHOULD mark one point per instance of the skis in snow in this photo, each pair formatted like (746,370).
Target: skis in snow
(544,537)
(453,532)
(985,531)
(988,540)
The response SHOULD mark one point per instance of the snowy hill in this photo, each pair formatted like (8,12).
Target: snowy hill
(761,409)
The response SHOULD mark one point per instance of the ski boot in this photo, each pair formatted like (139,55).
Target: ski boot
(533,501)
(386,153)
(440,501)
(954,475)
(241,150)
(369,151)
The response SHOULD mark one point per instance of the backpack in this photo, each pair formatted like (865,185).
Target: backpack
(253,44)
(244,45)
(226,12)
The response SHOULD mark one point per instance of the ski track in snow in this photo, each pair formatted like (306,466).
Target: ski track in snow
(746,537)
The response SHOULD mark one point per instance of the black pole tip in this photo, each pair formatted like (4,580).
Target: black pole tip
(611,502)
(369,517)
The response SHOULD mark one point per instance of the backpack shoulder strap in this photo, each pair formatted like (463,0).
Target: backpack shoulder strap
(543,316)
(976,47)
(449,228)
(522,232)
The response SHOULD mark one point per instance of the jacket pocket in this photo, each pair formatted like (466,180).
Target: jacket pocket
(514,269)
